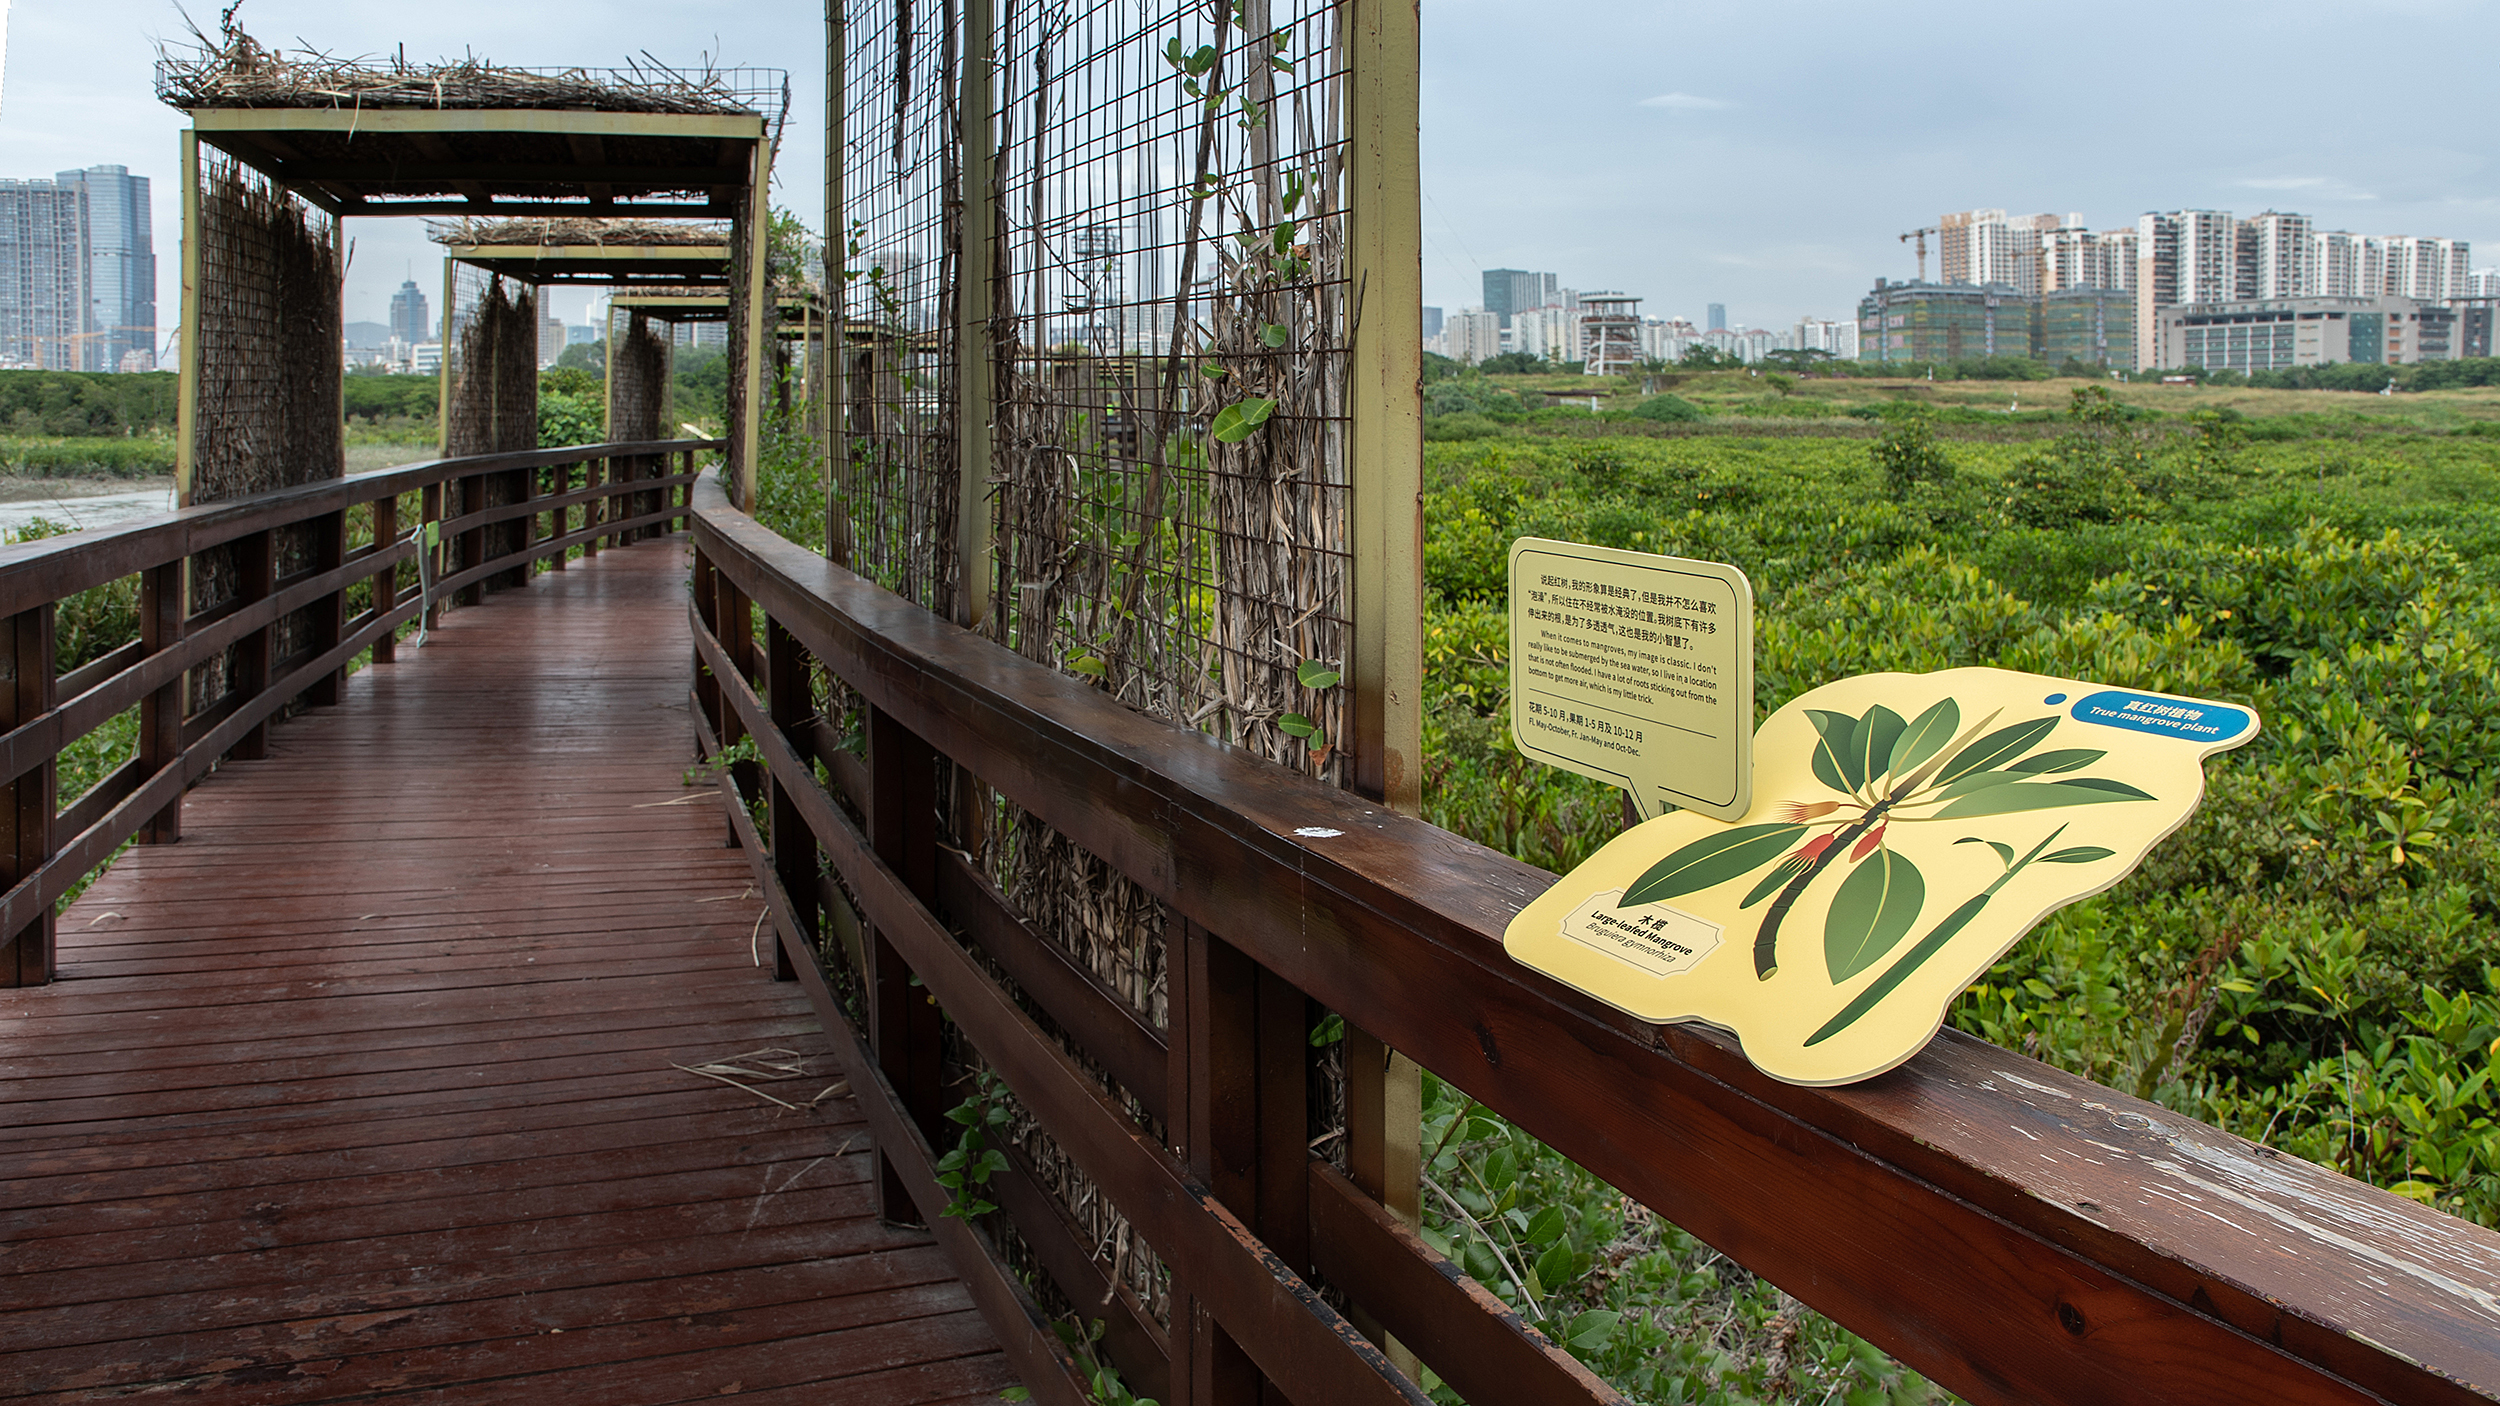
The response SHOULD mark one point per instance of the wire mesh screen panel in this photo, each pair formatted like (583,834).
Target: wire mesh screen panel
(492,356)
(267,373)
(638,377)
(268,339)
(1172,355)
(901,149)
(492,402)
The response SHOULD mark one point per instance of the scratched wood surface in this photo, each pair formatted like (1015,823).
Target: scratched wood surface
(365,1087)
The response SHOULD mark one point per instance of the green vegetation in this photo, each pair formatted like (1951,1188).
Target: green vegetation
(377,400)
(572,407)
(2311,964)
(86,403)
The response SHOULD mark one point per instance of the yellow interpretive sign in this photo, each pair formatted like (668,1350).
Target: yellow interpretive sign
(1635,669)
(1906,830)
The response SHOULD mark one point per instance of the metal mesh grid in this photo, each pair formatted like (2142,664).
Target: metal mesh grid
(1169,342)
(897,490)
(491,361)
(267,344)
(638,377)
(1172,358)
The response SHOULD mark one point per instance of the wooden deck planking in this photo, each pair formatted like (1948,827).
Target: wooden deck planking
(365,1090)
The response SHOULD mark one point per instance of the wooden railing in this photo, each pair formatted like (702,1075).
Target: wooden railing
(2015,1233)
(559,499)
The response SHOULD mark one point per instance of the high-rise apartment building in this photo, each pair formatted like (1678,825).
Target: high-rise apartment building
(410,322)
(121,269)
(1838,338)
(1718,318)
(2280,256)
(1507,291)
(46,281)
(1471,335)
(1989,246)
(2183,256)
(2074,257)
(2426,270)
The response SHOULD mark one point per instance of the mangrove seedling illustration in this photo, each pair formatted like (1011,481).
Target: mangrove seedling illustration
(1886,771)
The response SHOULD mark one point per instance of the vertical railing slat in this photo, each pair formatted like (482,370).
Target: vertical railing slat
(28,816)
(161,611)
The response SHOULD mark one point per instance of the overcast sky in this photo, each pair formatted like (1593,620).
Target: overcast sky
(1764,157)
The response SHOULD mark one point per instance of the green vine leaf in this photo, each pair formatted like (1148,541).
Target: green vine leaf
(1872,913)
(1311,673)
(1234,423)
(1925,736)
(1273,334)
(1711,860)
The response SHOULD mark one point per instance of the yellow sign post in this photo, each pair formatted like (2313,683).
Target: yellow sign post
(1634,669)
(1906,829)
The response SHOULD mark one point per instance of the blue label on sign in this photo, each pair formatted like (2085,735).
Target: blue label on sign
(2163,717)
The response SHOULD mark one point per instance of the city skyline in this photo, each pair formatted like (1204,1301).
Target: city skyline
(1733,162)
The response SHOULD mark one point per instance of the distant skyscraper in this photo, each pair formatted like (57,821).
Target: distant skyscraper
(409,320)
(121,268)
(46,281)
(1507,291)
(1718,318)
(1432,322)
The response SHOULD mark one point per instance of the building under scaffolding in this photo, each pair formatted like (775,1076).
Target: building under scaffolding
(1610,333)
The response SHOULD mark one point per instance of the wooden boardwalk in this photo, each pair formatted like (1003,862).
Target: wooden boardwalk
(364,1089)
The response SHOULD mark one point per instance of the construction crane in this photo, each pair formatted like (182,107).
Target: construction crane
(1921,236)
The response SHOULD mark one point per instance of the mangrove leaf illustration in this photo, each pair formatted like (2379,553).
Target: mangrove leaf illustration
(1870,915)
(2071,759)
(1831,752)
(1871,742)
(1925,736)
(2008,800)
(1997,748)
(1713,859)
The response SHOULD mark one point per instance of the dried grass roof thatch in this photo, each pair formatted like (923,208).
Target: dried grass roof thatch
(232,69)
(573,231)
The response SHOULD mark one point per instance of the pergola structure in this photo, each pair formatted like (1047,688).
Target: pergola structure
(323,142)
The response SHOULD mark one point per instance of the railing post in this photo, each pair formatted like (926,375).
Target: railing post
(29,959)
(160,713)
(328,615)
(733,624)
(1239,1039)
(707,697)
(683,495)
(385,582)
(560,479)
(472,541)
(595,511)
(256,569)
(904,1027)
(430,511)
(790,697)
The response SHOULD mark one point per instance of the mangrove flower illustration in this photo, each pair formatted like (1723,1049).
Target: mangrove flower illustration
(1888,771)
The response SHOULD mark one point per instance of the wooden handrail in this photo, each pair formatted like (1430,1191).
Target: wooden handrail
(2014,1232)
(46,847)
